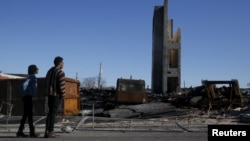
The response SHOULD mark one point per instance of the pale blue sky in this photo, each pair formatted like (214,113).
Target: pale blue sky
(118,33)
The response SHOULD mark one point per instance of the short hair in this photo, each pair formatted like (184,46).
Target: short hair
(57,60)
(32,69)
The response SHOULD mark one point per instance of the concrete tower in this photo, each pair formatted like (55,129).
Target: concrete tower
(166,53)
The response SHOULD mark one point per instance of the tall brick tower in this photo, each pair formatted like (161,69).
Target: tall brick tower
(166,53)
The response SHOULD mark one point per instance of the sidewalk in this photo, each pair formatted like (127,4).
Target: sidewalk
(113,129)
(88,123)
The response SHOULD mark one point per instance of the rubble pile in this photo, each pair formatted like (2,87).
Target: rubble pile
(103,103)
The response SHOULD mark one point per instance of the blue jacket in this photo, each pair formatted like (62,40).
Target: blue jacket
(29,86)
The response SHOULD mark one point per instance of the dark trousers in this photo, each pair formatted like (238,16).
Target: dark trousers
(53,105)
(27,113)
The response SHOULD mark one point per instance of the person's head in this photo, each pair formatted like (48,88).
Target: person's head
(32,69)
(58,62)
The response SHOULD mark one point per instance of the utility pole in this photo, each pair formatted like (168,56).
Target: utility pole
(100,76)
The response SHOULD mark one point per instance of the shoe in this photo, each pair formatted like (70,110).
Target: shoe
(34,135)
(50,134)
(21,135)
(46,134)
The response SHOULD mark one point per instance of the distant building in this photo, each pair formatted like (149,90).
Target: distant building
(166,53)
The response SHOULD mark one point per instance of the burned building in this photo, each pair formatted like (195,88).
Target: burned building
(166,53)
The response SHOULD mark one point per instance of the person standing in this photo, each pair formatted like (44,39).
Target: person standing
(54,91)
(28,90)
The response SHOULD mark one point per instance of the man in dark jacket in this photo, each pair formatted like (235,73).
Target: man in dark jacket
(55,91)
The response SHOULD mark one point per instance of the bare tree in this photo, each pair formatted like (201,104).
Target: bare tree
(248,84)
(102,84)
(89,82)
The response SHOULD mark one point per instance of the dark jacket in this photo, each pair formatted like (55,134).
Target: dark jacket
(29,86)
(55,82)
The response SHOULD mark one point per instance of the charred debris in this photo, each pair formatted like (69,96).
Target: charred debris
(130,99)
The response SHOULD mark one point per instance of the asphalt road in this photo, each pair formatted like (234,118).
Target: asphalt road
(114,136)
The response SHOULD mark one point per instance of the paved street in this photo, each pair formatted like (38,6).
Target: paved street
(108,129)
(108,132)
(115,136)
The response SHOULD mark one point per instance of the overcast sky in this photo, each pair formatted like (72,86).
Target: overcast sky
(215,38)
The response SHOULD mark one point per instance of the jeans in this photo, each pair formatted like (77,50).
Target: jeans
(27,113)
(53,105)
